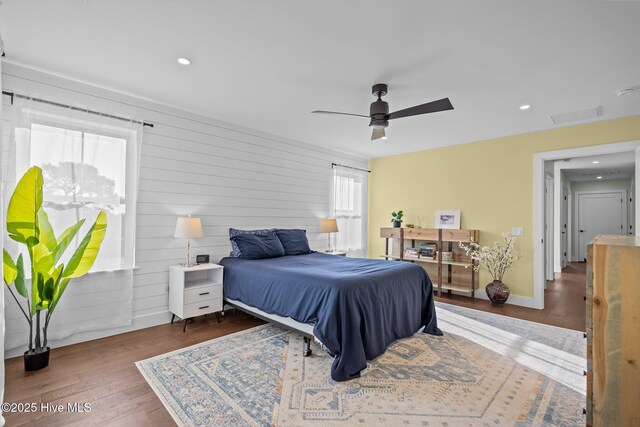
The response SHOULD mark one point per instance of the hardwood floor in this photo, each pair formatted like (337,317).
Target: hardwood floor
(564,304)
(102,372)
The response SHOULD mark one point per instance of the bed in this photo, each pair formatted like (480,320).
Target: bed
(354,307)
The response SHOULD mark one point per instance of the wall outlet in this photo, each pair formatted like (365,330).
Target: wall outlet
(517,231)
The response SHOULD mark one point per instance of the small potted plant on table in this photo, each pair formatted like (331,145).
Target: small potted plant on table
(396,219)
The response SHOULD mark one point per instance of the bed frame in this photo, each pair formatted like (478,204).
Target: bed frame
(288,323)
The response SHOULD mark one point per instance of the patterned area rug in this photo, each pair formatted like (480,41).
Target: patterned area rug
(487,370)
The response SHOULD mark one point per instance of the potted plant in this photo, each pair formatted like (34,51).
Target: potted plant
(496,259)
(28,224)
(396,219)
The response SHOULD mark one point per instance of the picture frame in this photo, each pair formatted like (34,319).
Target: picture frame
(448,220)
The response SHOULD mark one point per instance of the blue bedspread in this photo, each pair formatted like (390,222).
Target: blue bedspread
(358,306)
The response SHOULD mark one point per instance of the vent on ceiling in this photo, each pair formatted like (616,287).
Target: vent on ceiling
(577,116)
(601,172)
(628,91)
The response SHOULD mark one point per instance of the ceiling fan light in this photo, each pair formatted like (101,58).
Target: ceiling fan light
(377,123)
(378,133)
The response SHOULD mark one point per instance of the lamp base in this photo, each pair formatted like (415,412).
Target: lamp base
(184,264)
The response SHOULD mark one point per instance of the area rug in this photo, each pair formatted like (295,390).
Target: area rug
(486,370)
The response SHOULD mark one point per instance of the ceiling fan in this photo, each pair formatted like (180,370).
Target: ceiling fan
(379,111)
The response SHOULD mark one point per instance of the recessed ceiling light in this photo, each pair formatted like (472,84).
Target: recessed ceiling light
(184,61)
(525,107)
(598,177)
(595,162)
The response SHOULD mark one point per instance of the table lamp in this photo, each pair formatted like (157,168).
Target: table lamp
(188,228)
(329,226)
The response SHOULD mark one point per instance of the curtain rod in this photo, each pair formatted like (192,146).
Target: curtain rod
(333,165)
(57,104)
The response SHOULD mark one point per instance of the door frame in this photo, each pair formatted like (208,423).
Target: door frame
(570,209)
(549,182)
(636,220)
(539,206)
(625,221)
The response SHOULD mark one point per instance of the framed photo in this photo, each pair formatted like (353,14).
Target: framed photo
(448,219)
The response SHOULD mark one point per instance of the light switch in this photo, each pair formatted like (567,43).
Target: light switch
(517,231)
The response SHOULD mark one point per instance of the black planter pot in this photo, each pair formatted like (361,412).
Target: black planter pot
(397,224)
(37,360)
(497,292)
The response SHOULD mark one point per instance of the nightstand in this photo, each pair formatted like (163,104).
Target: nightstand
(338,253)
(195,291)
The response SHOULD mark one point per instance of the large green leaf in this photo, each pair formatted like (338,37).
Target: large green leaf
(47,293)
(59,290)
(37,284)
(47,237)
(21,287)
(42,260)
(42,269)
(14,273)
(9,269)
(26,200)
(65,238)
(86,253)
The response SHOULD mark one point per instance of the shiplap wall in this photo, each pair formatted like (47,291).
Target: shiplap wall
(228,175)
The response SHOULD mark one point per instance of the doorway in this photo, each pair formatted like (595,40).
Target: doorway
(599,213)
(539,214)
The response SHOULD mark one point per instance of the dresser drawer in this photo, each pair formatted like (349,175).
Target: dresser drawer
(204,307)
(202,293)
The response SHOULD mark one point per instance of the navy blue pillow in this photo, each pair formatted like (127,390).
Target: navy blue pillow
(235,252)
(256,246)
(294,241)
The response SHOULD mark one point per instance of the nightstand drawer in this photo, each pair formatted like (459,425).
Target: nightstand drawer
(203,307)
(202,293)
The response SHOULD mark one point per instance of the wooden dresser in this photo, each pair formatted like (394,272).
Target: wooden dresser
(613,331)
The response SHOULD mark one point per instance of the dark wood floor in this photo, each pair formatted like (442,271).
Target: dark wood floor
(564,304)
(102,372)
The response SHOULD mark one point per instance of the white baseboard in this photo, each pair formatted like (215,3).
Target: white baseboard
(513,299)
(141,322)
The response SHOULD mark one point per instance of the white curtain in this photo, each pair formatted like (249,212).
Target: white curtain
(90,163)
(2,321)
(350,209)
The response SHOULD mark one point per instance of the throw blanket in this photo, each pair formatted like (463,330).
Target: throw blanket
(357,306)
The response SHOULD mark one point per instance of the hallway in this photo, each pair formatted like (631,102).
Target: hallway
(564,304)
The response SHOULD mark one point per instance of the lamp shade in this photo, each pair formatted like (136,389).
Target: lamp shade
(188,228)
(329,226)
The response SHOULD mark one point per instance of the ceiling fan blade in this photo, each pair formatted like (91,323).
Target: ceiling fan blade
(378,133)
(430,107)
(335,112)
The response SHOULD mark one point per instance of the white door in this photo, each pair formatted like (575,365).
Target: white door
(599,213)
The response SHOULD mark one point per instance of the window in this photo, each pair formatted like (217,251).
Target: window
(350,206)
(89,163)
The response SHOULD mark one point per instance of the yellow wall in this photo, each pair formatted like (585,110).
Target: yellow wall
(490,181)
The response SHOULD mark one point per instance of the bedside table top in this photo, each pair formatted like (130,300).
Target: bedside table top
(198,267)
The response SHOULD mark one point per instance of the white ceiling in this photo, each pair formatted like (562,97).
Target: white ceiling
(267,64)
(609,167)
